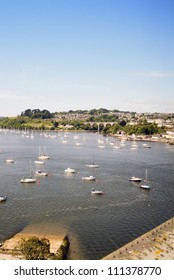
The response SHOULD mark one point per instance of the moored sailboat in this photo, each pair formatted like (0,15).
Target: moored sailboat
(29,179)
(93,164)
(145,184)
(43,153)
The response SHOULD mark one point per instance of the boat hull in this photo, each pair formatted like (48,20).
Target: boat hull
(28,180)
(145,187)
(3,198)
(135,179)
(97,192)
(90,178)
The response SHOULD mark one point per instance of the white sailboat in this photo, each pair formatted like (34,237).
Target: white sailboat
(93,165)
(43,153)
(145,184)
(29,179)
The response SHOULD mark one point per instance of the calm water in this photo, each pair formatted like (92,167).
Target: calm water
(61,203)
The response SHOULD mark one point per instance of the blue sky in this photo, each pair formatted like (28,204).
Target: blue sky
(65,55)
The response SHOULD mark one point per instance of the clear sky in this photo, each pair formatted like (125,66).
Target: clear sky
(65,55)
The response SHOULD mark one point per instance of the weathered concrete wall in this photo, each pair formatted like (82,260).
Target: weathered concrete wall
(157,244)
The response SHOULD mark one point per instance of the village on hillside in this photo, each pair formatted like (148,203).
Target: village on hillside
(137,126)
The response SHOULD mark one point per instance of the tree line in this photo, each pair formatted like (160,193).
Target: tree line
(44,120)
(37,113)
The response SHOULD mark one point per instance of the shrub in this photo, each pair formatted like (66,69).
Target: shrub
(35,249)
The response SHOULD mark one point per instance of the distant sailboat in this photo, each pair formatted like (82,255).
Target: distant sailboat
(93,165)
(10,160)
(145,184)
(43,153)
(29,179)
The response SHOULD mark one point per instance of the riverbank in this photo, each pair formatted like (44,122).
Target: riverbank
(10,248)
(157,244)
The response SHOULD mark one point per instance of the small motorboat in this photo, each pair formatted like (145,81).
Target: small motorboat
(3,198)
(145,186)
(28,180)
(88,178)
(134,179)
(41,173)
(97,192)
(145,145)
(69,170)
(10,160)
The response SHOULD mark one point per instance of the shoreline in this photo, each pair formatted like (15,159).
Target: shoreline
(156,244)
(10,248)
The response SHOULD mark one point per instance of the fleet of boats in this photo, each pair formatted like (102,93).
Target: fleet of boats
(143,185)
(43,156)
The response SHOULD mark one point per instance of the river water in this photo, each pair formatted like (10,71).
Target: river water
(62,204)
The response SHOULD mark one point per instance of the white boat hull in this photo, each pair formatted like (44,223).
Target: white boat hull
(9,160)
(69,170)
(146,187)
(93,165)
(89,178)
(3,198)
(28,180)
(41,173)
(97,192)
(135,179)
(39,162)
(43,157)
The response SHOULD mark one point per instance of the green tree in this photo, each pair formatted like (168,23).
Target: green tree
(35,249)
(27,113)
